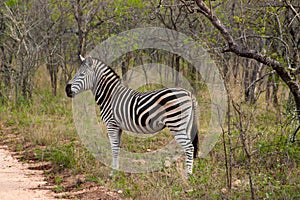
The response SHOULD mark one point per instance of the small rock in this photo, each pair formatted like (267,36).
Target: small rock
(188,191)
(120,192)
(224,190)
(237,183)
(168,163)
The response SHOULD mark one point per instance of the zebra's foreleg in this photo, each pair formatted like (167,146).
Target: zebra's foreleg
(114,133)
(188,149)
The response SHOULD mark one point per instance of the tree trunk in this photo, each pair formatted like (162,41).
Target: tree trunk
(252,54)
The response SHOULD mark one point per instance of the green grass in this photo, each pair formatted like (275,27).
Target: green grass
(44,129)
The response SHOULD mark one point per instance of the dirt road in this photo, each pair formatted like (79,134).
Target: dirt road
(18,182)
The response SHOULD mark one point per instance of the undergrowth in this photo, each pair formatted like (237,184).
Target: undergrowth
(43,130)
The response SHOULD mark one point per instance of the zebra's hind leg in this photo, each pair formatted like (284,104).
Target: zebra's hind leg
(114,133)
(188,149)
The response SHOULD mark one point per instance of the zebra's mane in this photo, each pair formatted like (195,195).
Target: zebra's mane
(99,63)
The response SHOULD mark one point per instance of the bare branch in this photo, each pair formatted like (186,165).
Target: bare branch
(259,79)
(288,3)
(243,51)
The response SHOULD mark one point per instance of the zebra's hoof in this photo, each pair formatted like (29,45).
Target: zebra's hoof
(112,173)
(187,173)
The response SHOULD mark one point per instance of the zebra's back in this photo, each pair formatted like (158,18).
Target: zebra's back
(149,112)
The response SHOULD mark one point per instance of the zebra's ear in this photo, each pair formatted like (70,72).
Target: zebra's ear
(81,58)
(89,60)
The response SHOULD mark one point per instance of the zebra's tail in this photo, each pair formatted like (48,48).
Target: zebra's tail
(194,131)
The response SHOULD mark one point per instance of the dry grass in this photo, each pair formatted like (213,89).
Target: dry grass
(43,130)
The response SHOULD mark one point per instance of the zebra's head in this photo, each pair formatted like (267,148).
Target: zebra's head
(83,79)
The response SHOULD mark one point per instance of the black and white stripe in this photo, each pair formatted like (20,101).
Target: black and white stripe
(141,112)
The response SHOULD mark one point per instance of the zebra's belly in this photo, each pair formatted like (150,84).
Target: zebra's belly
(148,129)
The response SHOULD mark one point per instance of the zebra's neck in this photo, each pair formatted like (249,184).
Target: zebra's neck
(106,83)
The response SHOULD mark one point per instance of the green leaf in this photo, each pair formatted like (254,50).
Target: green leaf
(11,3)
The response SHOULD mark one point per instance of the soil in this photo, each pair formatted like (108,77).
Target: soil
(19,182)
(23,177)
(26,181)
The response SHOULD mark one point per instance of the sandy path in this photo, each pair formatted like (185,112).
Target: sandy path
(18,182)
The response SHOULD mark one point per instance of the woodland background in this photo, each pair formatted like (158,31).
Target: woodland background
(255,45)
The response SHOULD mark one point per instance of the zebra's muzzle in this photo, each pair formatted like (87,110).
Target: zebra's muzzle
(69,91)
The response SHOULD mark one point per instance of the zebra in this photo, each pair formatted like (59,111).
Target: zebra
(122,108)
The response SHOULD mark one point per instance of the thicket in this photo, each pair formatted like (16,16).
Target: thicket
(254,157)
